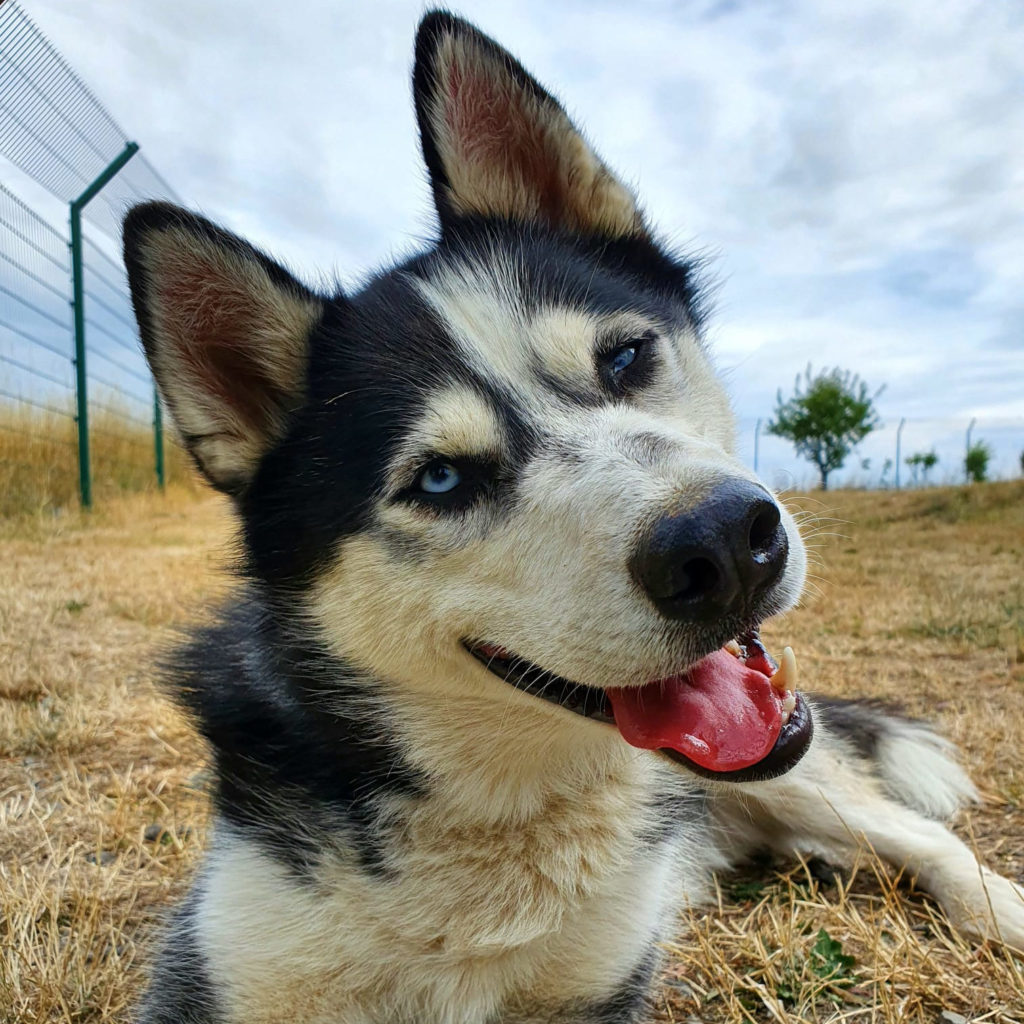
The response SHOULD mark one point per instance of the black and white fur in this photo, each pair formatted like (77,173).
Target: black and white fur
(401,836)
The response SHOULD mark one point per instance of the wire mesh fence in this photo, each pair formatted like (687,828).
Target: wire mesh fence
(78,410)
(37,380)
(56,131)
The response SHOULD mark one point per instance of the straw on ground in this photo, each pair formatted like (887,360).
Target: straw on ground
(916,597)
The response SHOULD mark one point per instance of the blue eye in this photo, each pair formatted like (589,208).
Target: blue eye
(439,478)
(622,358)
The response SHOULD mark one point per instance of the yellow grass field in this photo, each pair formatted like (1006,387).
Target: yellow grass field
(918,597)
(39,456)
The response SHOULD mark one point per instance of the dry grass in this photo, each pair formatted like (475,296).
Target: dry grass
(39,456)
(89,755)
(920,598)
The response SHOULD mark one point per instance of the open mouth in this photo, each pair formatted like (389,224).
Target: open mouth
(734,716)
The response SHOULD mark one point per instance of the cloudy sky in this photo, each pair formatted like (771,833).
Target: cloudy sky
(856,171)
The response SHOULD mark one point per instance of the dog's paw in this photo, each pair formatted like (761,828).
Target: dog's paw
(994,910)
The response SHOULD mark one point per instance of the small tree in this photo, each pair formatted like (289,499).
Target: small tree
(923,460)
(979,455)
(827,416)
(1022,463)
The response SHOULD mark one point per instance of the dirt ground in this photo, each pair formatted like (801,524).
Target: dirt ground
(917,597)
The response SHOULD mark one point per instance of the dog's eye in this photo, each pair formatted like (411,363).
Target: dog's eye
(628,367)
(439,478)
(621,358)
(450,484)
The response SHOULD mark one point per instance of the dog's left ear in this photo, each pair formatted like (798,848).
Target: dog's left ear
(226,331)
(497,144)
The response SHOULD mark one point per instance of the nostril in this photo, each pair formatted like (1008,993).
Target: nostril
(697,577)
(764,530)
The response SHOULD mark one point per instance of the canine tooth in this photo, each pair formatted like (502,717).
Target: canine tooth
(786,676)
(788,706)
(733,647)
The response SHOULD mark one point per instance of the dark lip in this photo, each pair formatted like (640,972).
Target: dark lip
(588,701)
(591,702)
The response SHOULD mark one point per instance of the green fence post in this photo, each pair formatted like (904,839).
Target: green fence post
(78,303)
(158,439)
(81,400)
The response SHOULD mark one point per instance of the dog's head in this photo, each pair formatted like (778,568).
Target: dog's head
(504,470)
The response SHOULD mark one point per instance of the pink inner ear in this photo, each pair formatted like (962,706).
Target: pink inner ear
(213,323)
(501,132)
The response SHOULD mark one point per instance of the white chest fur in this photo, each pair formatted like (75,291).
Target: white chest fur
(558,905)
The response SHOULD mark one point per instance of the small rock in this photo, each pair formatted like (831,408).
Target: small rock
(104,858)
(949,1017)
(153,833)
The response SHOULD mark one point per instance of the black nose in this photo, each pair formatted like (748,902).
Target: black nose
(716,559)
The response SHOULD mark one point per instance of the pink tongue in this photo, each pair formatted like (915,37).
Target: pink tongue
(722,714)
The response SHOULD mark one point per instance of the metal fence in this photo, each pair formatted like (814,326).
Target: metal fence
(78,411)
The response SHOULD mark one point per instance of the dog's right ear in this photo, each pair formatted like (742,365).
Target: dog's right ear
(226,331)
(498,144)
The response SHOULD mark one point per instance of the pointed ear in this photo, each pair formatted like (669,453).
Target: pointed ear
(497,144)
(226,332)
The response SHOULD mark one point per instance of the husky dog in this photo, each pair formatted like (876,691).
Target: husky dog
(491,704)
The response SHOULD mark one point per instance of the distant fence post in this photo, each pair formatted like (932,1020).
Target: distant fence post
(158,439)
(899,436)
(78,303)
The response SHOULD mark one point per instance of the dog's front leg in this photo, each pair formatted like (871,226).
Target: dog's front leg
(848,794)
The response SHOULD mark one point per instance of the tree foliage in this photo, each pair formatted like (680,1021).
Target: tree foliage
(828,414)
(925,461)
(979,455)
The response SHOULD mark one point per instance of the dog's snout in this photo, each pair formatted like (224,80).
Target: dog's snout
(716,559)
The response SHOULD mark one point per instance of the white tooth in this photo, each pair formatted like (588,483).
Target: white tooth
(789,663)
(784,718)
(733,647)
(788,703)
(786,677)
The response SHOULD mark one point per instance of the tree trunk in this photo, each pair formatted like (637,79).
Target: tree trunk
(824,478)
